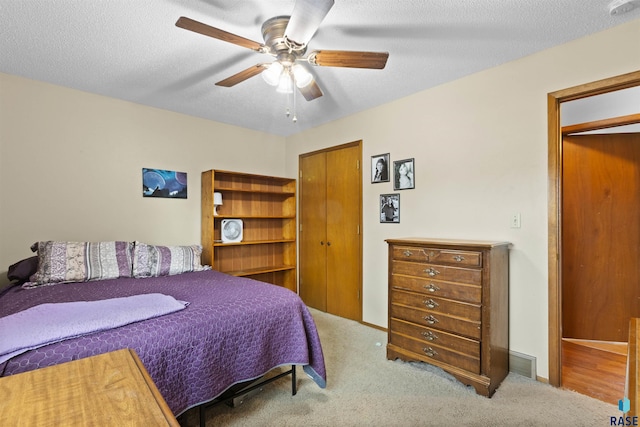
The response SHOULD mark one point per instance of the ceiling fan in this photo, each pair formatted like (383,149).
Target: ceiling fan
(286,39)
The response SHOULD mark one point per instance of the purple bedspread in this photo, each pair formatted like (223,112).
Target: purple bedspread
(233,330)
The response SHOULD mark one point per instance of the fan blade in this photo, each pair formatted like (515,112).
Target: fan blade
(242,75)
(305,20)
(350,59)
(216,33)
(311,91)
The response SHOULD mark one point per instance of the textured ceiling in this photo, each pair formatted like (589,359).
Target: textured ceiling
(132,50)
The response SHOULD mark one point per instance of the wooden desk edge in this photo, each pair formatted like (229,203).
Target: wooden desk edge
(162,404)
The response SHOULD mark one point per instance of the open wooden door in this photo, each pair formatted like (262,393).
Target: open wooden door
(601,260)
(600,236)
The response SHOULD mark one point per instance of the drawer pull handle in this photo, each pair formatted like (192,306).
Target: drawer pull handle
(458,258)
(430,352)
(407,253)
(431,287)
(432,271)
(430,303)
(430,319)
(429,336)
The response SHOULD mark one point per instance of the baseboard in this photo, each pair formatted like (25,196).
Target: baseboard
(522,364)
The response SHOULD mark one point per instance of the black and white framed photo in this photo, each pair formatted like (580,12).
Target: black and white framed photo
(390,208)
(380,168)
(404,174)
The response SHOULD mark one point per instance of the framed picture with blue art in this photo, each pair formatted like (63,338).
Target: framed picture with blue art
(164,183)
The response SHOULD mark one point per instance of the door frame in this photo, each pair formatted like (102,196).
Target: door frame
(554,99)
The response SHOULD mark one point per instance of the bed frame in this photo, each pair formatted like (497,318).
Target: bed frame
(243,389)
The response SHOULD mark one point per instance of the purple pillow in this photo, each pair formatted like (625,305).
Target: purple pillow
(22,270)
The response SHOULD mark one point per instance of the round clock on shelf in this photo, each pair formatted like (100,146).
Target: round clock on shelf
(231,230)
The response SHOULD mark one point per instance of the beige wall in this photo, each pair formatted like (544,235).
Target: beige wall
(480,149)
(71,167)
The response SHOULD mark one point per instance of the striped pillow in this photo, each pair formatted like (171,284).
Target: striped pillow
(64,262)
(153,261)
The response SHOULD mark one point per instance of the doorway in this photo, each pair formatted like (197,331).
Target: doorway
(330,232)
(555,157)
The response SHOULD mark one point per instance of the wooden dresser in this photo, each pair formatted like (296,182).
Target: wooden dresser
(449,306)
(111,389)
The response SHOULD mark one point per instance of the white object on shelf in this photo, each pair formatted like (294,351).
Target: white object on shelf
(231,230)
(217,201)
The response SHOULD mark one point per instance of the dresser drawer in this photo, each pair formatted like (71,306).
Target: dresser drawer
(430,352)
(433,336)
(437,305)
(456,325)
(435,255)
(457,291)
(438,272)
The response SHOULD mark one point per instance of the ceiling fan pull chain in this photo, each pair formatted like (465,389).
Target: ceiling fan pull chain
(288,111)
(295,116)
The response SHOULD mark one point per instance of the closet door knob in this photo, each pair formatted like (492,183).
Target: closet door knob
(328,243)
(321,243)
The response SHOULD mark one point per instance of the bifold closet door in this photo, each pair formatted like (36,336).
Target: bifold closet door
(343,233)
(330,241)
(312,236)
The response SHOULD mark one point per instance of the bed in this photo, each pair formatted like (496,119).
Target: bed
(229,330)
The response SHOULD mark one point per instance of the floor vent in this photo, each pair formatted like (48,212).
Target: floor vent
(522,364)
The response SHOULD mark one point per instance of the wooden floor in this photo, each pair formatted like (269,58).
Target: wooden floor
(595,368)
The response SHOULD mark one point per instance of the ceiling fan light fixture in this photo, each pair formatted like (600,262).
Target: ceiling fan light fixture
(272,74)
(285,39)
(286,83)
(301,75)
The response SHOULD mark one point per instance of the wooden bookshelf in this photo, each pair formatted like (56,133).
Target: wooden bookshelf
(267,207)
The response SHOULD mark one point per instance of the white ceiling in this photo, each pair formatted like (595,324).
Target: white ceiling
(132,50)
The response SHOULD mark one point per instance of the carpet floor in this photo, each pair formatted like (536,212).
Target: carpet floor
(366,389)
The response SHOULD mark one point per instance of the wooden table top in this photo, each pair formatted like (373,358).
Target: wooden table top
(111,389)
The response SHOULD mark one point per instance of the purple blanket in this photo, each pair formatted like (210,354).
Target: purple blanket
(233,330)
(52,322)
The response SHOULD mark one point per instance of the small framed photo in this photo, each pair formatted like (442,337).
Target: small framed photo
(380,168)
(404,174)
(390,208)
